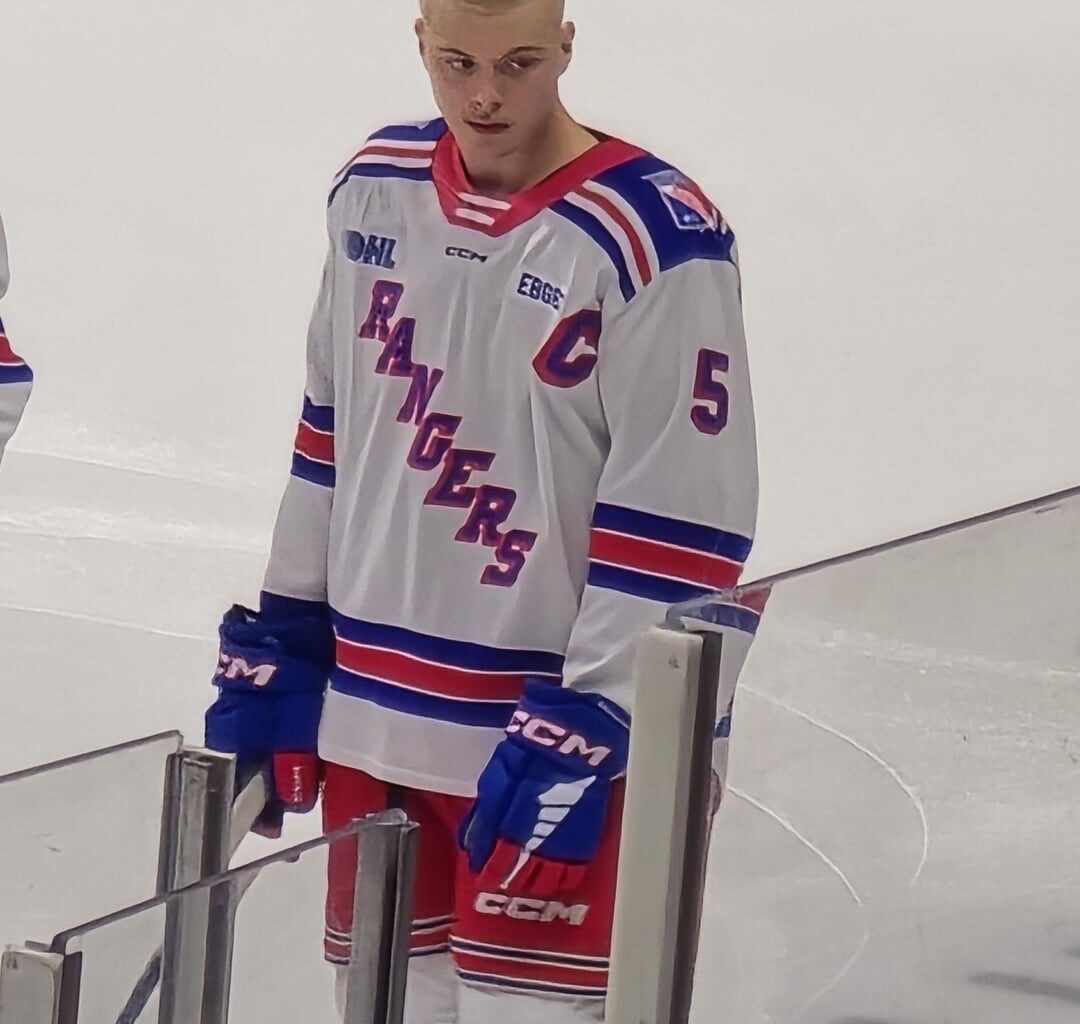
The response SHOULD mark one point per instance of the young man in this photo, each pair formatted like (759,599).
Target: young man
(527,432)
(16,377)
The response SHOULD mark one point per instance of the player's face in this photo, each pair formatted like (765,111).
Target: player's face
(495,76)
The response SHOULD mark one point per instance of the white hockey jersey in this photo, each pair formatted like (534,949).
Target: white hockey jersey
(527,432)
(16,377)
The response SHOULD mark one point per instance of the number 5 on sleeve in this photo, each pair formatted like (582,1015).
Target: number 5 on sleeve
(712,417)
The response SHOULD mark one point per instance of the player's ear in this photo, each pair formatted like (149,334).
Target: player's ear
(569,32)
(419,27)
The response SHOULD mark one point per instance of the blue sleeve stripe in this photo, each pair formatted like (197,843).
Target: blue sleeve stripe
(21,374)
(678,532)
(672,592)
(313,472)
(380,171)
(723,613)
(480,714)
(321,417)
(427,131)
(454,653)
(604,238)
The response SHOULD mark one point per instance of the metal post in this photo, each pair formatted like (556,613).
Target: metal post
(698,826)
(197,952)
(382,920)
(665,828)
(30,984)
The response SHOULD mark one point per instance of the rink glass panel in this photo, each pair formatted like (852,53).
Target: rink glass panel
(899,841)
(81,837)
(278,970)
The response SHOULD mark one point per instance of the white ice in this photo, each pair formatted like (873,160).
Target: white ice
(898,844)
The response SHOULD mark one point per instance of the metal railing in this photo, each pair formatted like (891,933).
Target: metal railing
(203,821)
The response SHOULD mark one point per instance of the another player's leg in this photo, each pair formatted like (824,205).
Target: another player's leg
(349,794)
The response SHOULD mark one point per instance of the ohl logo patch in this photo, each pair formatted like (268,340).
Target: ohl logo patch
(374,250)
(689,207)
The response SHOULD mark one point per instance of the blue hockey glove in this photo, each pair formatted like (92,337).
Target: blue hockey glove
(272,672)
(542,800)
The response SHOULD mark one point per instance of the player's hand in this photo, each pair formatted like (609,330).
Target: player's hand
(271,676)
(542,800)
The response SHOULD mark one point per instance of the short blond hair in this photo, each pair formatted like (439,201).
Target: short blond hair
(487,6)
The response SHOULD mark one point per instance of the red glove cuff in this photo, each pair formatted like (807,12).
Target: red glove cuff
(296,781)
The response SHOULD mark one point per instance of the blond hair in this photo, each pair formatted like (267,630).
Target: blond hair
(487,6)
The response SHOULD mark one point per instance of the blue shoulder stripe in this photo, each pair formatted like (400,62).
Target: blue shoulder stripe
(380,171)
(639,182)
(602,237)
(424,131)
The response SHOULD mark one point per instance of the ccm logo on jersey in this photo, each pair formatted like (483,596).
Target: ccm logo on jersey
(521,909)
(465,254)
(238,668)
(548,734)
(374,250)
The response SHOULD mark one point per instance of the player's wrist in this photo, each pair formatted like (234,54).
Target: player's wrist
(579,732)
(285,647)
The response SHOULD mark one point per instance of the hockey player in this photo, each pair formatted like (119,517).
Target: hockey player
(16,377)
(527,431)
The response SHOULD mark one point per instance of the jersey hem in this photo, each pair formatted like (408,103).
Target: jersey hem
(347,758)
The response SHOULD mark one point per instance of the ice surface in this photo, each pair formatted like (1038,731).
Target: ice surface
(900,840)
(899,844)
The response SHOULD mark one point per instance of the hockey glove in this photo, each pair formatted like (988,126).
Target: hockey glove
(542,800)
(272,672)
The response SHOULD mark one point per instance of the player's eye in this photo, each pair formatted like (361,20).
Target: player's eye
(521,64)
(461,64)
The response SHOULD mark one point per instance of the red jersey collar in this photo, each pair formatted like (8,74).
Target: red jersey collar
(464,206)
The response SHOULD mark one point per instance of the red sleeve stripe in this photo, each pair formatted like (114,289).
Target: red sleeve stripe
(317,445)
(660,559)
(7,356)
(430,677)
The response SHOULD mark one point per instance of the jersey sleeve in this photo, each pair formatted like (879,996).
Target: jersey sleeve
(298,556)
(677,498)
(16,377)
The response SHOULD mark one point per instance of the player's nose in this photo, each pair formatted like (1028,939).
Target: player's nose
(486,98)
